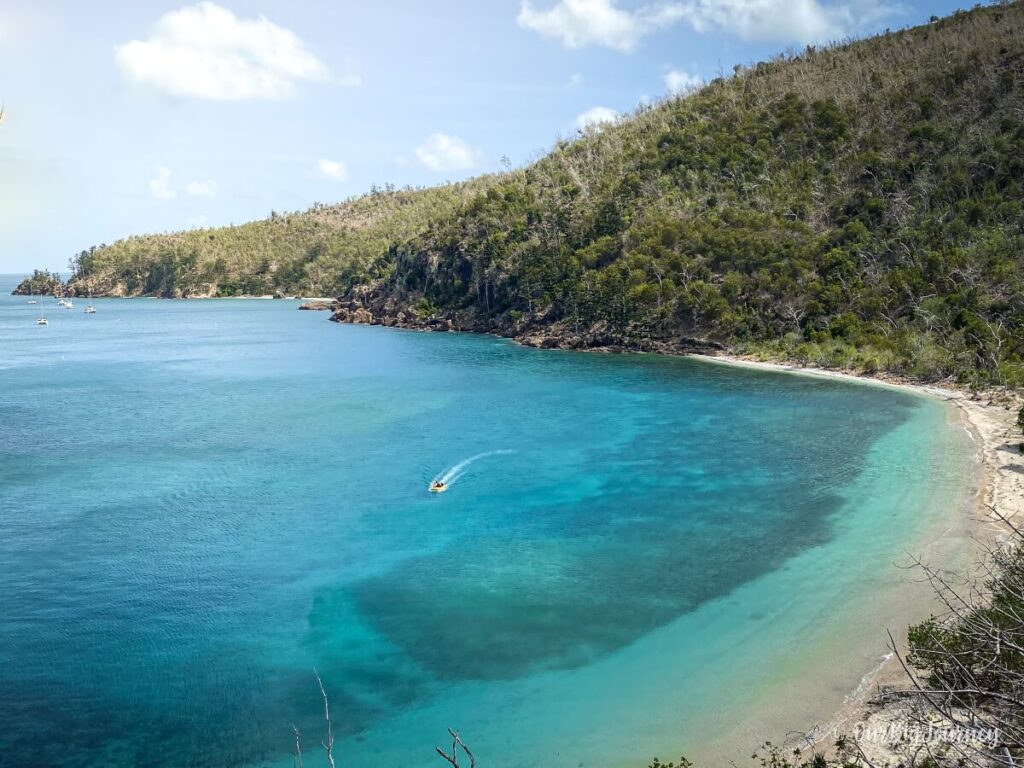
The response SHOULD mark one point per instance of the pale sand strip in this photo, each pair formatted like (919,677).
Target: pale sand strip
(991,421)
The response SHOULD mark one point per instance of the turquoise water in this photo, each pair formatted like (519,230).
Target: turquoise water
(202,501)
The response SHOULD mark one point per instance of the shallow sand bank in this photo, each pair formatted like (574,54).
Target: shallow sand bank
(990,419)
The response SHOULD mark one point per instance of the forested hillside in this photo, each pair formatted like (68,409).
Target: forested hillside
(40,283)
(856,206)
(319,252)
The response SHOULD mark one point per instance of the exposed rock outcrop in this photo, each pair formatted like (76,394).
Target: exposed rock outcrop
(40,283)
(537,331)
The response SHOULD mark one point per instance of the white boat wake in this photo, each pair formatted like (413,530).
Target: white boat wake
(450,475)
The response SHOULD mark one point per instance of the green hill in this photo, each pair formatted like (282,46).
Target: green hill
(322,251)
(40,283)
(855,206)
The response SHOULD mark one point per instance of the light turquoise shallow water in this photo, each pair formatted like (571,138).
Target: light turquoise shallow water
(201,501)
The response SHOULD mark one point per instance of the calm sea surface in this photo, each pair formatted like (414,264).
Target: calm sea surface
(202,501)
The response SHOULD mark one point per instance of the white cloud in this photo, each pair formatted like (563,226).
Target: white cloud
(679,82)
(767,20)
(596,116)
(206,188)
(207,52)
(332,169)
(160,184)
(578,23)
(441,152)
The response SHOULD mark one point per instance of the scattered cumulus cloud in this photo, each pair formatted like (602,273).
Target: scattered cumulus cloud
(578,23)
(207,188)
(679,82)
(205,51)
(596,116)
(160,184)
(441,152)
(801,21)
(332,169)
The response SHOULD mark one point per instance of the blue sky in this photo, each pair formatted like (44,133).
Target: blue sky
(145,116)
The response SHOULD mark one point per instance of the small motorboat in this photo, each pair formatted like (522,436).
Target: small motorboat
(32,301)
(42,321)
(438,487)
(90,309)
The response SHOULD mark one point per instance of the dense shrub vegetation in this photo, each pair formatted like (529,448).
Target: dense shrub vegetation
(39,283)
(972,656)
(858,206)
(319,252)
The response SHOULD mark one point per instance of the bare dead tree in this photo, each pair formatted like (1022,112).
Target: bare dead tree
(966,665)
(328,743)
(298,748)
(453,758)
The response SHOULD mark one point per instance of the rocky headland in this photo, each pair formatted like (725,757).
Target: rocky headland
(537,330)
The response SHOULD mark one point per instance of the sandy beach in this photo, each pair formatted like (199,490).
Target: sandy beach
(990,418)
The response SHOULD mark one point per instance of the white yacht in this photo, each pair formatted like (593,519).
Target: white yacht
(41,320)
(90,309)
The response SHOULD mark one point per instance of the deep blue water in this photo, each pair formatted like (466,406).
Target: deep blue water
(202,501)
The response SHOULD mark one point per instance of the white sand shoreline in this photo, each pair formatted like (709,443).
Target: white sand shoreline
(990,419)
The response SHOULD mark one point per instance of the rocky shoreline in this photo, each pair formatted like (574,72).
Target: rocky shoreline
(320,306)
(533,332)
(50,284)
(40,283)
